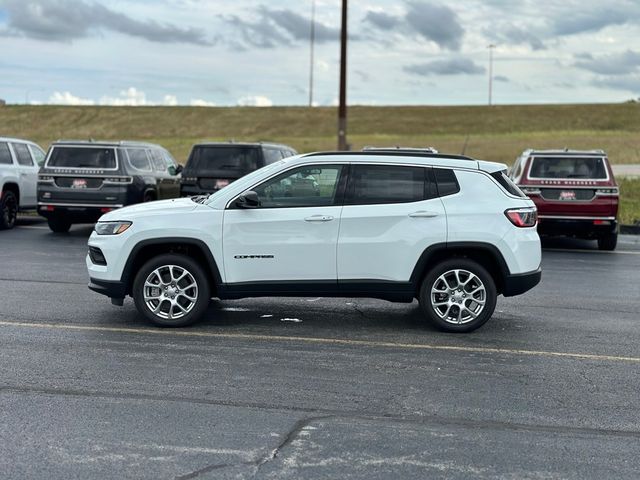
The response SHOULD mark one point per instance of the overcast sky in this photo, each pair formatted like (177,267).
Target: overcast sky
(256,52)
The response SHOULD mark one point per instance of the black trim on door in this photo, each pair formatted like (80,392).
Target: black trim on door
(384,290)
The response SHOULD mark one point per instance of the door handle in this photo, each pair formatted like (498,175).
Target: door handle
(319,218)
(423,214)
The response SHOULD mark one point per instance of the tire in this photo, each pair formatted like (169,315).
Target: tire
(58,224)
(148,197)
(474,284)
(8,210)
(177,306)
(608,242)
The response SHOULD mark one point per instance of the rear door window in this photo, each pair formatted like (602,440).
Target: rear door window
(138,159)
(381,184)
(5,154)
(568,168)
(219,160)
(22,154)
(83,157)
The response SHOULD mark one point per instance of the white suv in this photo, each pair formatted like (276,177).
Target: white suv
(451,231)
(20,161)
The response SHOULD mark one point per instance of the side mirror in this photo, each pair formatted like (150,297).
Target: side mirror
(248,199)
(179,169)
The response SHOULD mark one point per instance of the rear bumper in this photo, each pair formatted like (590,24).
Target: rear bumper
(521,283)
(75,213)
(582,227)
(108,288)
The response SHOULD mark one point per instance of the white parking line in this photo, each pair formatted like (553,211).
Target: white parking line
(325,341)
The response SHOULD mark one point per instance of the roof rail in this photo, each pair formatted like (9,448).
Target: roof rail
(392,153)
(398,148)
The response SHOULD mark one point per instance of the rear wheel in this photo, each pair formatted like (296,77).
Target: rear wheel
(148,197)
(608,242)
(59,224)
(458,295)
(171,291)
(8,210)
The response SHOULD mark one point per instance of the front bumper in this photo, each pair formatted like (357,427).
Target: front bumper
(110,289)
(520,283)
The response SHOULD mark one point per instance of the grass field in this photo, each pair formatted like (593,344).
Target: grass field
(497,133)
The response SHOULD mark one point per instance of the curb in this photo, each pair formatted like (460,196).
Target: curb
(630,229)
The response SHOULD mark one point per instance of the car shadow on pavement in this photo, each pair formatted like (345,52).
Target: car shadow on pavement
(567,243)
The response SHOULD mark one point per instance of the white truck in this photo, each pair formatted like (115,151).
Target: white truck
(20,161)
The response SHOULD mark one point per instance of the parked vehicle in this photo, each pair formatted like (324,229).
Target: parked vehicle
(82,180)
(449,230)
(575,192)
(19,164)
(212,166)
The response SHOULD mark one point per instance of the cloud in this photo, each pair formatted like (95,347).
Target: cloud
(382,20)
(437,23)
(454,66)
(67,20)
(198,102)
(280,27)
(513,35)
(592,19)
(431,21)
(255,101)
(611,64)
(66,98)
(170,100)
(501,78)
(627,83)
(131,97)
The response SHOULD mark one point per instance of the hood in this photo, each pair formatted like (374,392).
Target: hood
(162,207)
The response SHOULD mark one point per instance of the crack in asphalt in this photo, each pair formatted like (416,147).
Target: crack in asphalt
(322,413)
(289,437)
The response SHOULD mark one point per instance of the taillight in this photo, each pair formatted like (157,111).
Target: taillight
(530,190)
(523,217)
(117,180)
(607,191)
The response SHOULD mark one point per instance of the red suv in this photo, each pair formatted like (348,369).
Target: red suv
(575,193)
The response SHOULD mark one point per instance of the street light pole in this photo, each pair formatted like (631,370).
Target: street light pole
(342,109)
(491,47)
(312,41)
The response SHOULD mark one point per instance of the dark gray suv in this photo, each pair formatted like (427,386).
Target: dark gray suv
(212,166)
(80,181)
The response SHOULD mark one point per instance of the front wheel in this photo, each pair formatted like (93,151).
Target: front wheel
(171,291)
(8,210)
(58,224)
(458,295)
(608,242)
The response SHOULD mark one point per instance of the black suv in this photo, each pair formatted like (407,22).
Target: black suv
(82,180)
(212,166)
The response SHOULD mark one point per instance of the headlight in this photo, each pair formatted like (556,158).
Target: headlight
(111,228)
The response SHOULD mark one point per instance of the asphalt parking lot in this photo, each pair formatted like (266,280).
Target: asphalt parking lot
(318,388)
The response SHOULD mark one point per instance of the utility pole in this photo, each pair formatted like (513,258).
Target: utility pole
(312,41)
(342,109)
(491,48)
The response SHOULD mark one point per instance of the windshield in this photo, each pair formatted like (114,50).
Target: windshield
(568,167)
(234,159)
(81,157)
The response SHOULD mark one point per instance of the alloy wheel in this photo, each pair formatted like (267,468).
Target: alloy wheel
(458,296)
(170,292)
